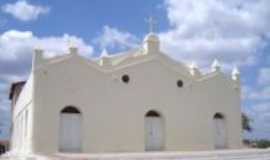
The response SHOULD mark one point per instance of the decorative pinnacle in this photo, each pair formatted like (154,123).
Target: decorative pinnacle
(235,73)
(194,69)
(38,51)
(151,22)
(193,65)
(37,57)
(38,48)
(72,47)
(104,58)
(104,53)
(70,42)
(215,65)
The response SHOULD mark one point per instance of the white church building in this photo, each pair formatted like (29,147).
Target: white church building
(137,101)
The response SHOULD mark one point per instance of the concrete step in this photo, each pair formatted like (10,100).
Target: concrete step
(244,154)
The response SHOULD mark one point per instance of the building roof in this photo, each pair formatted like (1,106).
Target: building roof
(4,142)
(13,87)
(111,62)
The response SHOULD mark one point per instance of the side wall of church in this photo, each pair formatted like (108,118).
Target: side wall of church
(113,111)
(21,137)
(221,95)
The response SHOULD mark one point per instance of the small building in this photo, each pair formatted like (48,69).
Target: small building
(137,101)
(4,146)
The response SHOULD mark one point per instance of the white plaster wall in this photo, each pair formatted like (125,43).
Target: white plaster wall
(25,96)
(113,112)
(222,97)
(21,142)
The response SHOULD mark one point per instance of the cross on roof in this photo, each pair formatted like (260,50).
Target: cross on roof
(151,22)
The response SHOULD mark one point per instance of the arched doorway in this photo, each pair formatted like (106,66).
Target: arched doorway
(220,135)
(70,130)
(154,131)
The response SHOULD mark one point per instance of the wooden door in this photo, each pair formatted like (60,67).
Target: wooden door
(220,133)
(153,134)
(70,132)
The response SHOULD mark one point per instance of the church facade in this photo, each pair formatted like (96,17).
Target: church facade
(133,102)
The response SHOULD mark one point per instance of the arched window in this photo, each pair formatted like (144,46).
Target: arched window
(154,131)
(220,132)
(70,130)
(70,109)
(218,116)
(152,113)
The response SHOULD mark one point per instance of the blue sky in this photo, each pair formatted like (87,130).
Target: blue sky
(237,32)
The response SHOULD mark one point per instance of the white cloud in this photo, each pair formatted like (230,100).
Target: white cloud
(25,11)
(257,107)
(256,93)
(230,30)
(260,94)
(245,92)
(264,76)
(15,60)
(112,38)
(260,116)
(260,89)
(16,44)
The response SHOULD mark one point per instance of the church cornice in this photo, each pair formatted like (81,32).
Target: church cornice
(149,51)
